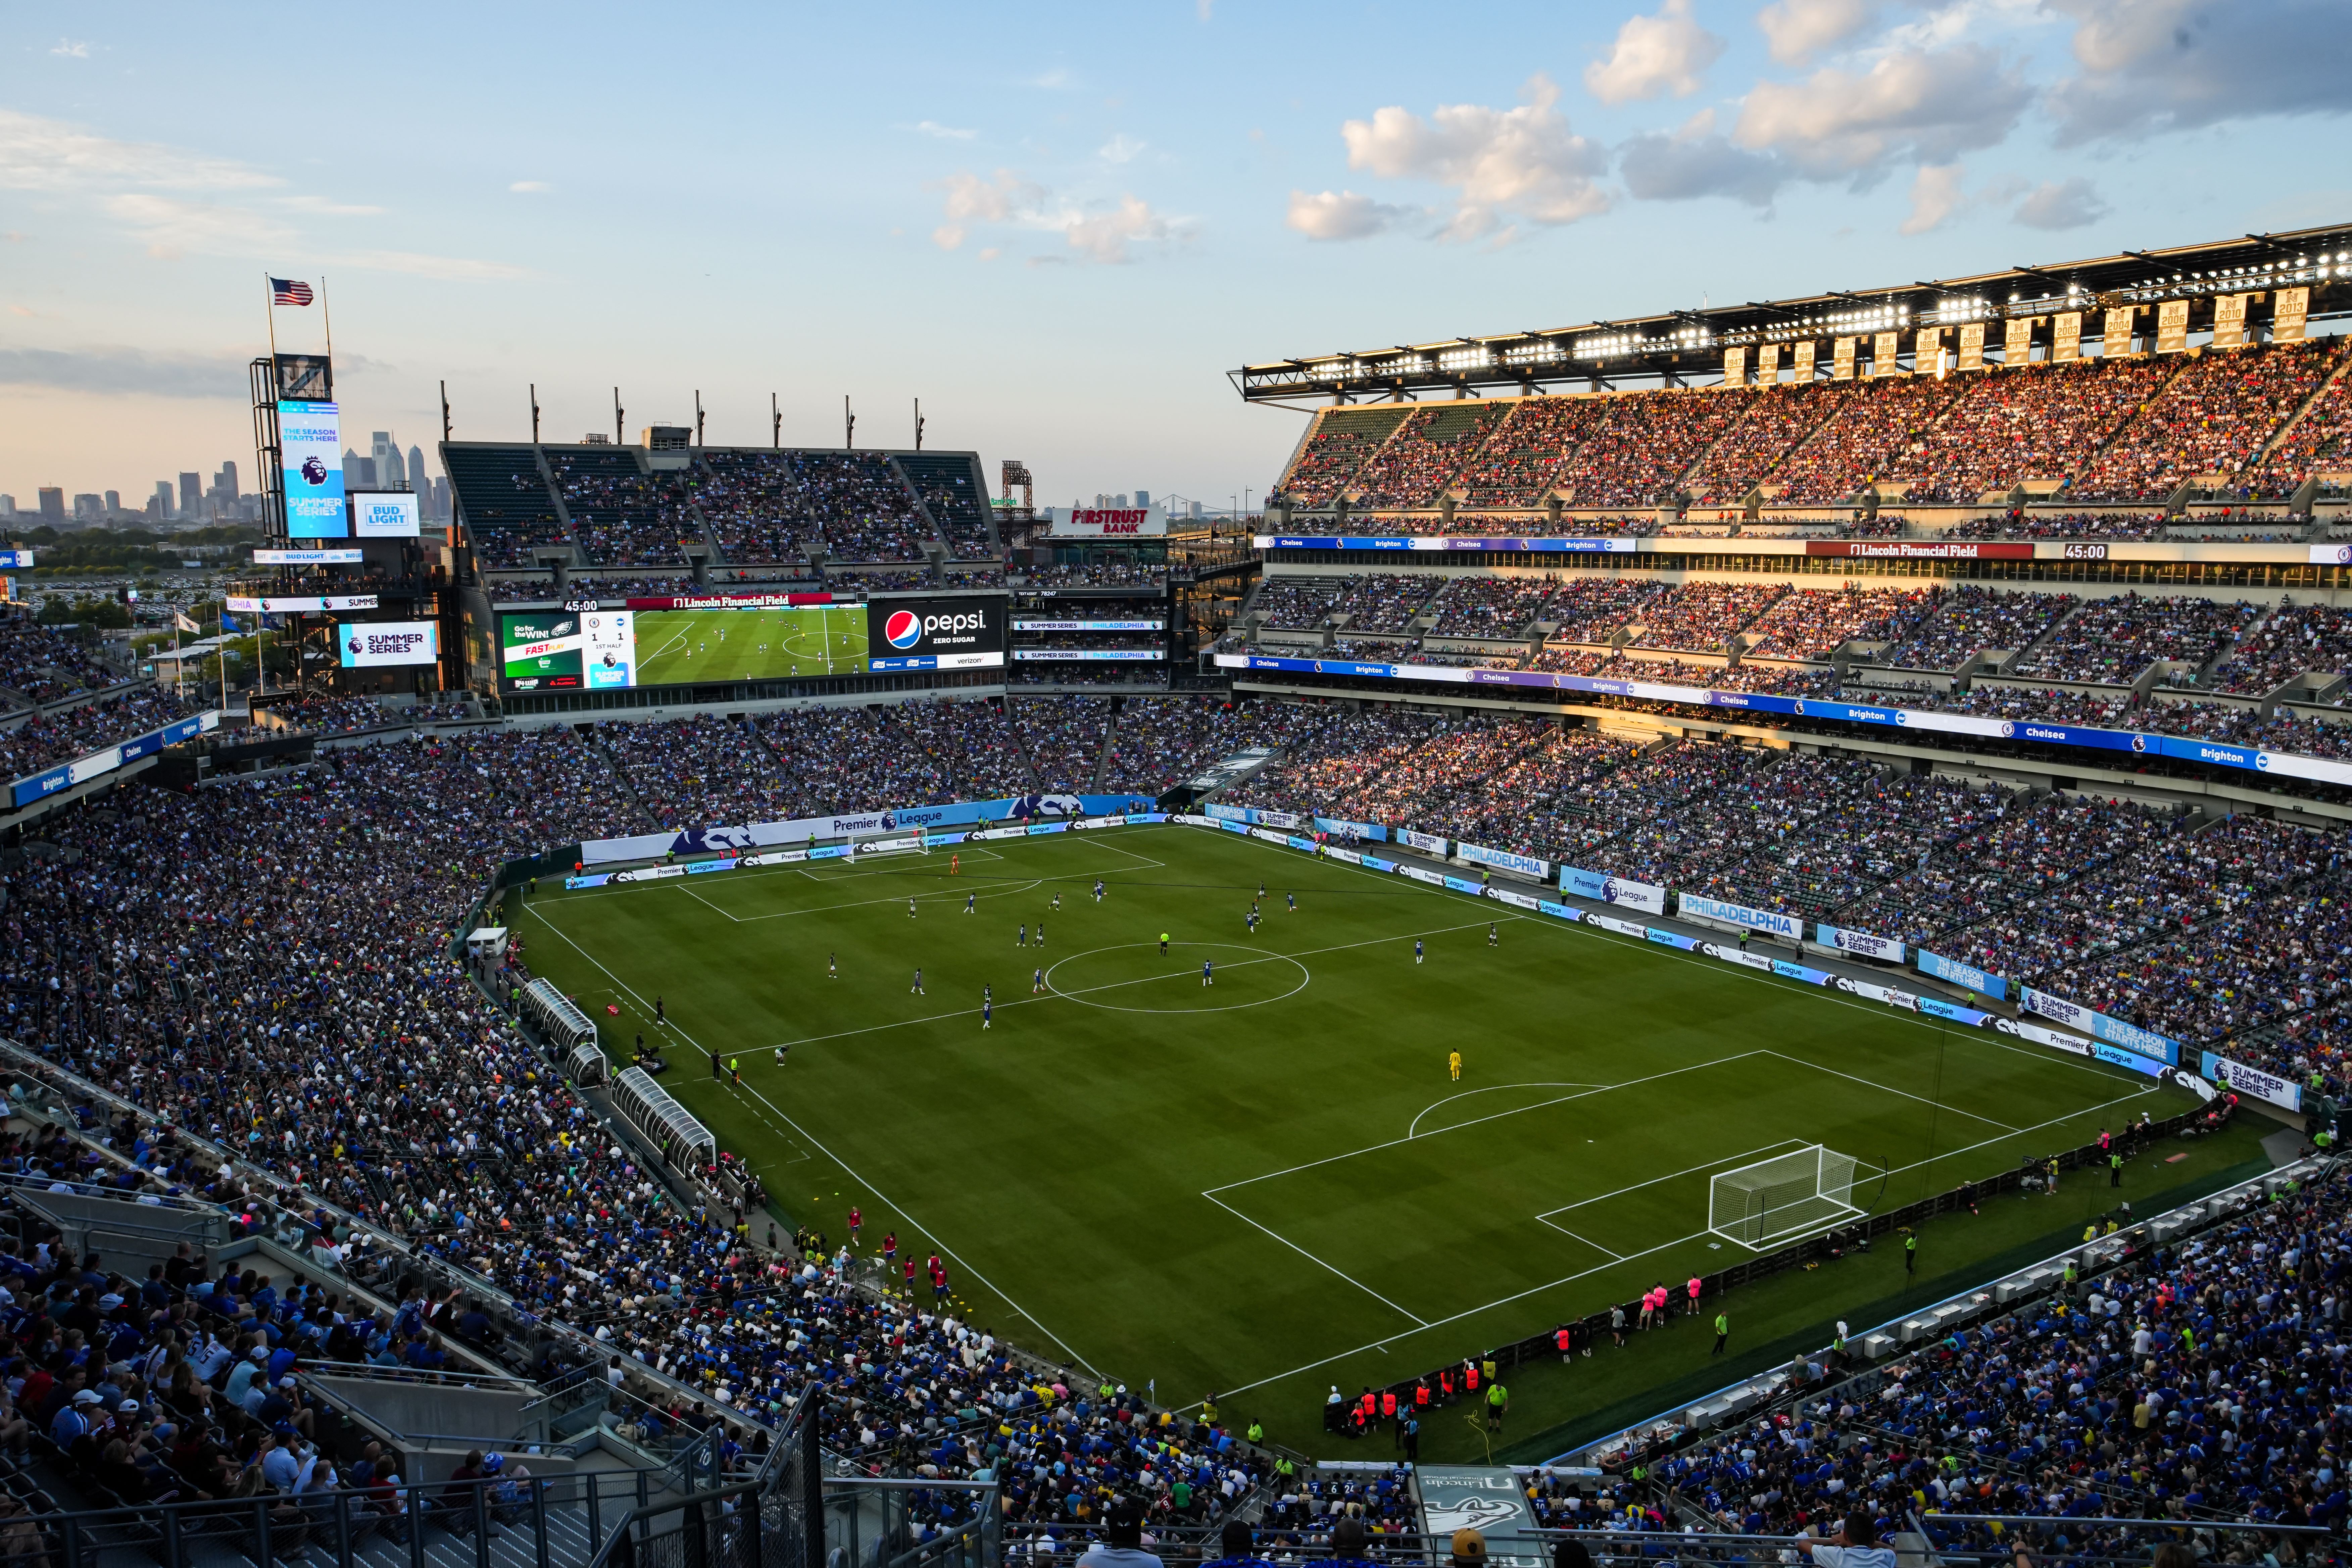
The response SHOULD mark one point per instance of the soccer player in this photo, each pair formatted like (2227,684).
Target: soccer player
(987,1013)
(1293,900)
(1036,981)
(856,1219)
(1494,936)
(1057,900)
(955,864)
(910,1275)
(1261,888)
(988,993)
(1041,933)
(916,988)
(1454,1066)
(1208,972)
(1416,950)
(1163,944)
(781,1051)
(890,1248)
(911,907)
(657,1010)
(832,966)
(1098,889)
(969,905)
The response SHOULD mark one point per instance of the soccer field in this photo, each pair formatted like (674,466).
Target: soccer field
(675,646)
(1269,1184)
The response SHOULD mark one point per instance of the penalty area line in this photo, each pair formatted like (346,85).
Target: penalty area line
(1310,1258)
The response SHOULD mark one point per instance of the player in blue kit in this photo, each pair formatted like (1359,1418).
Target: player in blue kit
(1208,972)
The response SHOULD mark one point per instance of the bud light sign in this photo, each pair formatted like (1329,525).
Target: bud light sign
(965,632)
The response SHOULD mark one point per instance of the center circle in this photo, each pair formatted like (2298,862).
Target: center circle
(1118,985)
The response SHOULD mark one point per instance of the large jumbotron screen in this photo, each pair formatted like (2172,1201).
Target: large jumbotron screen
(564,650)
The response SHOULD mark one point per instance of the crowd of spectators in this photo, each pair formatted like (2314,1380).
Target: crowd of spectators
(1971,618)
(55,735)
(2022,524)
(1384,601)
(1093,574)
(1063,737)
(696,772)
(1777,421)
(1413,469)
(2211,421)
(1483,607)
(2035,422)
(1593,608)
(1297,604)
(1811,623)
(41,665)
(1643,445)
(541,590)
(1344,439)
(353,715)
(2321,440)
(1522,460)
(2114,639)
(788,505)
(1860,440)
(1157,742)
(1703,618)
(621,515)
(2291,639)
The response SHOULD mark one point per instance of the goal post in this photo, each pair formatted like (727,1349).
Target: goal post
(1804,1190)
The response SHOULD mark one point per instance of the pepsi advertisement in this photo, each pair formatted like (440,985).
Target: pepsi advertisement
(960,633)
(310,451)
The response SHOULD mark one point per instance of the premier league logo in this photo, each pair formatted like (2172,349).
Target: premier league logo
(313,471)
(904,629)
(2139,742)
(353,645)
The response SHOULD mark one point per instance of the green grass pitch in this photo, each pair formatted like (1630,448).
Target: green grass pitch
(1270,1185)
(675,646)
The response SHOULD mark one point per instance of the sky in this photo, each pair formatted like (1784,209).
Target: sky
(1059,227)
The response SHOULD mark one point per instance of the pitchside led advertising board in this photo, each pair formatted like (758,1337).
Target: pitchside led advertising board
(372,644)
(935,634)
(310,449)
(384,514)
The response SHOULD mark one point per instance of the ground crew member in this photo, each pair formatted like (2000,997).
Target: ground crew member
(1498,1399)
(1722,1332)
(2115,1169)
(1910,1252)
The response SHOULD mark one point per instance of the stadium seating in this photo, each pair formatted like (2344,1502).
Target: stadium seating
(1777,422)
(2114,639)
(955,497)
(1522,460)
(1703,618)
(782,506)
(55,735)
(1341,439)
(1969,619)
(2321,438)
(622,515)
(2291,639)
(1482,606)
(1063,739)
(1593,608)
(2209,422)
(1425,453)
(1811,624)
(1862,440)
(1639,450)
(2039,422)
(503,498)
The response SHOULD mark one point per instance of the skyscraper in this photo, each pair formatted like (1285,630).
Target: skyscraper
(416,480)
(390,472)
(113,502)
(161,505)
(192,495)
(53,503)
(226,481)
(359,473)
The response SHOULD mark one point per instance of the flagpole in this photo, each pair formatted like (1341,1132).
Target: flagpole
(327,320)
(269,314)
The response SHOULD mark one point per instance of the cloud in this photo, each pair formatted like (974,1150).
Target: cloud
(2151,65)
(40,155)
(1935,197)
(1910,105)
(530,187)
(1105,237)
(118,370)
(1796,30)
(2060,203)
(1500,163)
(1664,53)
(971,199)
(71,48)
(1697,161)
(1120,149)
(1343,215)
(944,132)
(171,227)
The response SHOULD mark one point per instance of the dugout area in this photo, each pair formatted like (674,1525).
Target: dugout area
(1269,1185)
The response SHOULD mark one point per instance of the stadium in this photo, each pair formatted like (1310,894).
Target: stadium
(1711,925)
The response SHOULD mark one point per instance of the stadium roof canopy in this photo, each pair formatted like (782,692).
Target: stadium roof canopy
(1676,346)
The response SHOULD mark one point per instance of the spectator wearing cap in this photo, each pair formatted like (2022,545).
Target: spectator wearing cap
(1469,1549)
(1237,1547)
(76,1418)
(280,1466)
(1125,1547)
(1855,1545)
(1349,1540)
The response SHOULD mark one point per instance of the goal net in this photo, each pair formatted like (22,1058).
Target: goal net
(1808,1189)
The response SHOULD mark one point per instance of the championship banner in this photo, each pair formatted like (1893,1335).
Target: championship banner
(1735,367)
(2017,342)
(2172,327)
(2289,316)
(1842,360)
(1768,365)
(1800,363)
(1604,889)
(1884,354)
(2100,1026)
(1972,334)
(1772,920)
(1927,351)
(2114,337)
(2066,337)
(1862,943)
(2228,320)
(2281,1092)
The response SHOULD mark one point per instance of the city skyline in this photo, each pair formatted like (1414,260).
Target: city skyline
(1062,255)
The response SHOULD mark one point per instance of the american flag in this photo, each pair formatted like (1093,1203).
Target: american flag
(288,291)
